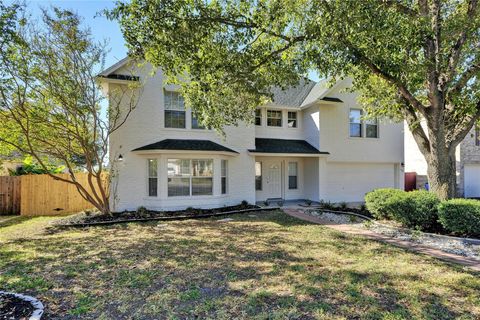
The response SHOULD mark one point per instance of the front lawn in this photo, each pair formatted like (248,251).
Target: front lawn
(266,267)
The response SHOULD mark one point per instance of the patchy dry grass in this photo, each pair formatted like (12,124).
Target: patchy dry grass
(265,267)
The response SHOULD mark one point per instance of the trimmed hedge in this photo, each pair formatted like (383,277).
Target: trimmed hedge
(461,216)
(376,200)
(414,209)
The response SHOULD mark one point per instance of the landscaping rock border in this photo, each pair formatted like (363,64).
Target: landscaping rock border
(171,218)
(472,241)
(457,245)
(38,307)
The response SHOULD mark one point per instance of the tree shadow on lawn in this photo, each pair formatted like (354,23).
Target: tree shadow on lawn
(13,220)
(240,269)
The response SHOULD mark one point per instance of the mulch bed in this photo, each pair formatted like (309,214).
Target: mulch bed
(13,308)
(144,215)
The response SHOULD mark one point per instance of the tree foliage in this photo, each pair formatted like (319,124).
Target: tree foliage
(409,59)
(51,103)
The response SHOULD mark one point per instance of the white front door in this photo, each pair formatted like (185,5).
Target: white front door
(274,178)
(472,180)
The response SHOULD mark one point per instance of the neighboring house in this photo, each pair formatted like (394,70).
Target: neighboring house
(309,144)
(468,163)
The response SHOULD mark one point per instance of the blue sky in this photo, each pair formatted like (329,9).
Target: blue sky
(102,29)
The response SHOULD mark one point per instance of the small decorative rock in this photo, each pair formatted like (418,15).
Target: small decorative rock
(36,304)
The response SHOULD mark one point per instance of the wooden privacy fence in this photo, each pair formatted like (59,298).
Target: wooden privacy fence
(10,195)
(43,195)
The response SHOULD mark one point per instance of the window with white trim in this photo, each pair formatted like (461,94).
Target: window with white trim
(371,128)
(258,117)
(292,175)
(355,123)
(292,119)
(152,177)
(258,175)
(362,128)
(195,122)
(190,177)
(274,118)
(174,110)
(224,169)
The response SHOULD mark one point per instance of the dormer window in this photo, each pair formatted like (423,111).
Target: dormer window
(174,110)
(274,118)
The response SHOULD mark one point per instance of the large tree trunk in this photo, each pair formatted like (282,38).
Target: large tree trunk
(441,173)
(441,161)
(439,155)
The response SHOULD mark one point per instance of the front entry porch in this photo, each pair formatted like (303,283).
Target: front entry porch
(286,178)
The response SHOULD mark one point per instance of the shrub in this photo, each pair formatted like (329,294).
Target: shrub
(461,216)
(375,201)
(415,209)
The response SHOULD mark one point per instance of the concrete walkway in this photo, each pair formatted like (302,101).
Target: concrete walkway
(346,228)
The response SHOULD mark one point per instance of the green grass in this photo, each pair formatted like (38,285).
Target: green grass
(266,267)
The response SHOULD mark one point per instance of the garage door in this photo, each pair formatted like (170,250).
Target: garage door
(351,181)
(472,180)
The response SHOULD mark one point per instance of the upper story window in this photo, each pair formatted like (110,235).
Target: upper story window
(258,117)
(195,123)
(292,119)
(362,128)
(371,128)
(174,110)
(274,118)
(355,123)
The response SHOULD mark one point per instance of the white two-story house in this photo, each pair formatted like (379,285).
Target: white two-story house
(310,143)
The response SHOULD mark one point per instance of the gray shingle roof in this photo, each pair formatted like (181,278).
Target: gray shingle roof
(264,145)
(180,144)
(293,96)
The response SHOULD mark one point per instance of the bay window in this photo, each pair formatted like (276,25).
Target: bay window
(188,177)
(224,169)
(152,177)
